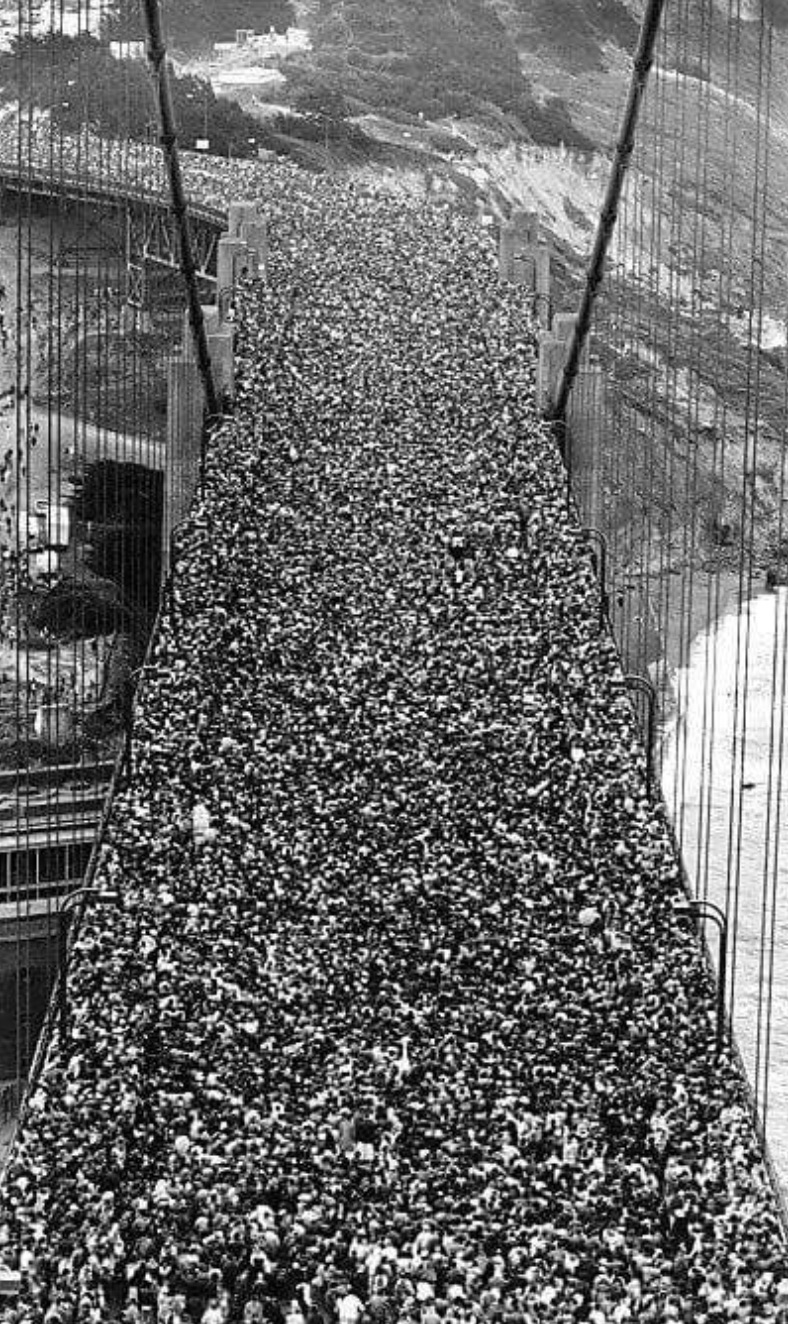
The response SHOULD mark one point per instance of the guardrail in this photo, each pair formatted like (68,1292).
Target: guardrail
(65,803)
(94,189)
(54,775)
(660,806)
(121,774)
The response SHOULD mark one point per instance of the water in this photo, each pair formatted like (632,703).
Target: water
(725,776)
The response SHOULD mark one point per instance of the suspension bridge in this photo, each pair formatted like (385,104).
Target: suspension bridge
(393,686)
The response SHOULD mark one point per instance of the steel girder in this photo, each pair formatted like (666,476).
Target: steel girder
(151,230)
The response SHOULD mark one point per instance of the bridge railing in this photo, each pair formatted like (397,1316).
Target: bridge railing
(675,442)
(114,190)
(136,469)
(91,314)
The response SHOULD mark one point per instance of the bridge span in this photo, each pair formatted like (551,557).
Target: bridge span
(147,226)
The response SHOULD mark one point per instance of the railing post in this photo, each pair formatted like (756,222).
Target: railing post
(525,259)
(599,559)
(639,685)
(233,262)
(517,237)
(587,426)
(553,350)
(543,292)
(184,429)
(240,214)
(221,346)
(255,236)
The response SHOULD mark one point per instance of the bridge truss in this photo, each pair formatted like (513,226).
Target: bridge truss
(142,221)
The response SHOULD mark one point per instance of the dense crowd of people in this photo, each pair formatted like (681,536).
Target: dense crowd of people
(31,145)
(394,1020)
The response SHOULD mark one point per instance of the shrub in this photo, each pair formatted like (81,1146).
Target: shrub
(124,504)
(76,610)
(448,57)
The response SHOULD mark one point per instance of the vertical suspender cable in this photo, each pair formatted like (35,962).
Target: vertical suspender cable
(684,115)
(642,403)
(157,54)
(644,60)
(26,862)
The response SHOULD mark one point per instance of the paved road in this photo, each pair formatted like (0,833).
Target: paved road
(75,440)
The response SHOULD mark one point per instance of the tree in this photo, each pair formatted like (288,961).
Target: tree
(76,610)
(123,503)
(776,12)
(78,80)
(322,101)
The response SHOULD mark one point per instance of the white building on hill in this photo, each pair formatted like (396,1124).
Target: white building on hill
(271,45)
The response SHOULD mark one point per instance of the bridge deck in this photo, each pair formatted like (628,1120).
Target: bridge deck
(148,228)
(107,190)
(396,1005)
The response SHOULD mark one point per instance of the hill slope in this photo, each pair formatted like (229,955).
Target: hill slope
(458,58)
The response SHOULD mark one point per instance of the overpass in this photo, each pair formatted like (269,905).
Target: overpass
(145,217)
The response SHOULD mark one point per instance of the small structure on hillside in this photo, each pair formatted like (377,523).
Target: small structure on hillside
(128,50)
(270,45)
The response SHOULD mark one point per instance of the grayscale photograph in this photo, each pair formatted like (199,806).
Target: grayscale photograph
(393,661)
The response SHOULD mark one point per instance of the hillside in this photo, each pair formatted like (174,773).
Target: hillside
(458,58)
(574,30)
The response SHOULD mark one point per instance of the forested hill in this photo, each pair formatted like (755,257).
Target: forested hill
(442,58)
(458,58)
(387,27)
(578,32)
(461,52)
(510,64)
(548,72)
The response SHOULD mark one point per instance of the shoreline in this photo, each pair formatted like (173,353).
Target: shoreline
(715,761)
(715,595)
